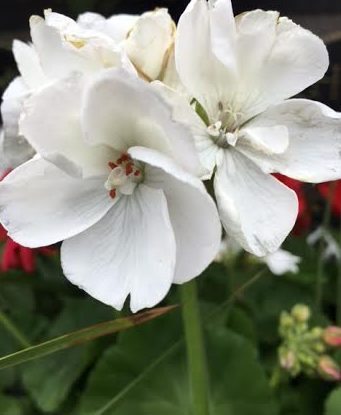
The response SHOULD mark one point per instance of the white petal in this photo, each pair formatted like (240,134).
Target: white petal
(193,214)
(59,21)
(203,31)
(117,26)
(41,205)
(51,123)
(133,113)
(28,64)
(57,60)
(256,34)
(269,140)
(185,114)
(281,262)
(170,76)
(130,251)
(223,32)
(314,151)
(149,42)
(277,59)
(256,209)
(91,20)
(79,49)
(16,150)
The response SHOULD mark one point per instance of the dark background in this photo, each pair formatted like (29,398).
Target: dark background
(323,17)
(14,13)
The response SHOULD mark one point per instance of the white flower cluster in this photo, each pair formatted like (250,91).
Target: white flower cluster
(113,124)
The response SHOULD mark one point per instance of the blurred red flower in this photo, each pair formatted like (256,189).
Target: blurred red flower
(15,256)
(303,221)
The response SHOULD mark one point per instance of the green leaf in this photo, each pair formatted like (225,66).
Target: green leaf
(10,406)
(239,322)
(239,384)
(79,337)
(131,378)
(131,359)
(333,403)
(49,380)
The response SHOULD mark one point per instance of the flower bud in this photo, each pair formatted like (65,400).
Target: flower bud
(316,333)
(329,369)
(301,313)
(149,43)
(286,320)
(287,359)
(332,336)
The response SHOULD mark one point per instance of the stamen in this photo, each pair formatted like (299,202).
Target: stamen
(112,165)
(124,176)
(129,168)
(123,158)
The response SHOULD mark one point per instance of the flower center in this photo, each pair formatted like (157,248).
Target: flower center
(224,132)
(220,136)
(125,175)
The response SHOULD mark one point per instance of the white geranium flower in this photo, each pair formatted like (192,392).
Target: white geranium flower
(242,71)
(148,39)
(59,47)
(133,220)
(280,262)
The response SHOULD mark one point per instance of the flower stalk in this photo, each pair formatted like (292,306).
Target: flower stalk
(13,330)
(320,263)
(196,353)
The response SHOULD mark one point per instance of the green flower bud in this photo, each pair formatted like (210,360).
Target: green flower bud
(301,313)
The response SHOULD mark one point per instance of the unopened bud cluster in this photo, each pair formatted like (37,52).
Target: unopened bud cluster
(304,349)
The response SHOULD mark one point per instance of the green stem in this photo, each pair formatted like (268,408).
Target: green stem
(275,379)
(195,348)
(320,263)
(338,290)
(13,330)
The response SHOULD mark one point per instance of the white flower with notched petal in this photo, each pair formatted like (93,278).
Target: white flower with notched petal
(241,72)
(59,47)
(132,219)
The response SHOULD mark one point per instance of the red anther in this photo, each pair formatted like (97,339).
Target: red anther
(137,173)
(112,193)
(125,157)
(112,165)
(129,168)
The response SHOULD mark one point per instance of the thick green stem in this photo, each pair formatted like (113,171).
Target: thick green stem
(196,354)
(13,330)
